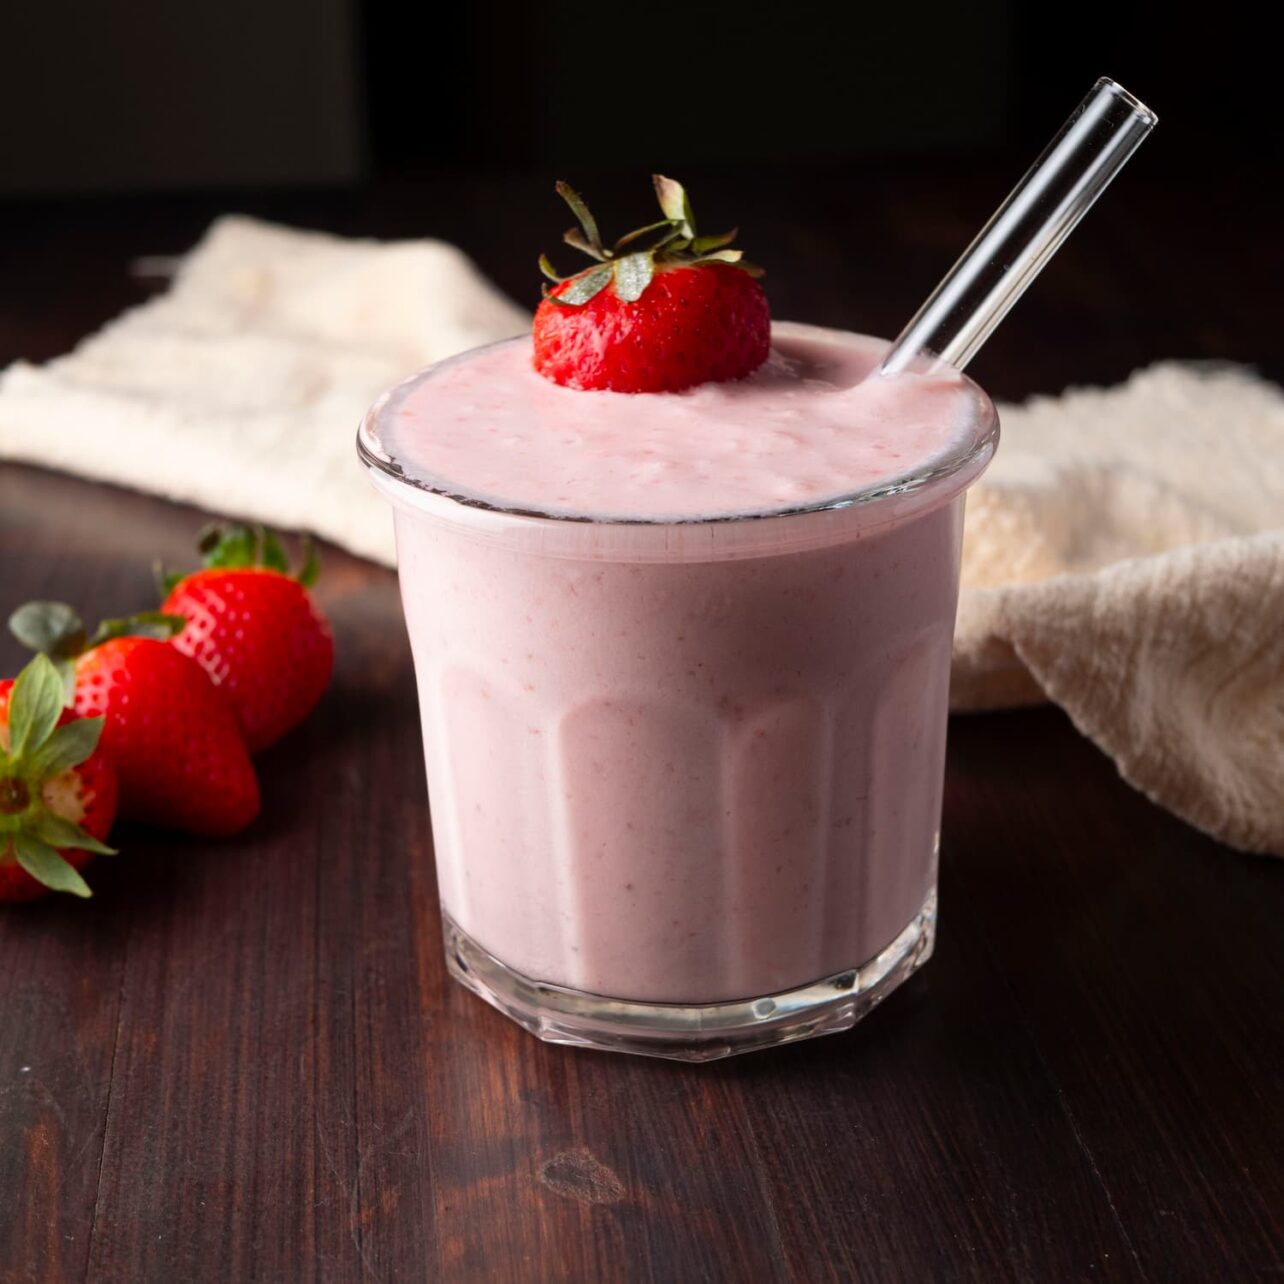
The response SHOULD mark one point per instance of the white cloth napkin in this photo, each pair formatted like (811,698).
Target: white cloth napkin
(1124,554)
(241,387)
(1124,557)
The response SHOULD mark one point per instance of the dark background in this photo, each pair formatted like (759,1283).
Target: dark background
(858,146)
(147,94)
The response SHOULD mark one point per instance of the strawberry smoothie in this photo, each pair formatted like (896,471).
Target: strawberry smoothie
(683,665)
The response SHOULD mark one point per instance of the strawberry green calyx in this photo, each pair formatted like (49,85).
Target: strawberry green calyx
(56,631)
(244,547)
(36,751)
(631,263)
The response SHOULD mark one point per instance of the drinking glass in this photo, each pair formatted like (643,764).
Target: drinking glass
(685,776)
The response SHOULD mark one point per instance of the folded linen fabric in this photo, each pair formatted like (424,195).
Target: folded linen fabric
(240,388)
(1124,556)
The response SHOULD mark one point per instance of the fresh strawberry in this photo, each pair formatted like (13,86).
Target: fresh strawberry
(663,310)
(254,628)
(172,737)
(57,788)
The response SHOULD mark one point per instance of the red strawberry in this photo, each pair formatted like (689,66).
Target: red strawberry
(57,788)
(255,630)
(680,311)
(172,737)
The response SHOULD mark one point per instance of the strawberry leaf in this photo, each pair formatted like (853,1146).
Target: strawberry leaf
(273,555)
(60,832)
(675,203)
(35,705)
(146,624)
(575,239)
(633,274)
(46,866)
(242,547)
(166,581)
(67,672)
(311,567)
(209,538)
(668,242)
(586,286)
(231,547)
(703,244)
(586,220)
(67,746)
(51,627)
(638,232)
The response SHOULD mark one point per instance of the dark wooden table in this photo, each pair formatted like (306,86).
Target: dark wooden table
(243,1061)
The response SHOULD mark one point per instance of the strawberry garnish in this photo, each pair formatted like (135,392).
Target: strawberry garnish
(173,739)
(57,788)
(255,629)
(663,308)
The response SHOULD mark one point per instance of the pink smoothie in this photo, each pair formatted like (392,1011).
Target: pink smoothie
(805,427)
(670,758)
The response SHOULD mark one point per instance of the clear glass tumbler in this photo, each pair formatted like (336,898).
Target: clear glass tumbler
(685,776)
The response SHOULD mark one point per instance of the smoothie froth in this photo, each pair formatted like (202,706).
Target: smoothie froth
(805,428)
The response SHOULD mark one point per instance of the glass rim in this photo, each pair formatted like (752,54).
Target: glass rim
(976,450)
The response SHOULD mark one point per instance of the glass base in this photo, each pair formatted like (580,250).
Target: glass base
(680,1032)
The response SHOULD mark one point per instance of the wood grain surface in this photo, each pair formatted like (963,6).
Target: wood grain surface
(243,1061)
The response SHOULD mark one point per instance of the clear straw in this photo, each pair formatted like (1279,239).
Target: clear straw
(1025,232)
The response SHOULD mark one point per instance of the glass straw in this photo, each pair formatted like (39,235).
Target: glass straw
(1027,229)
